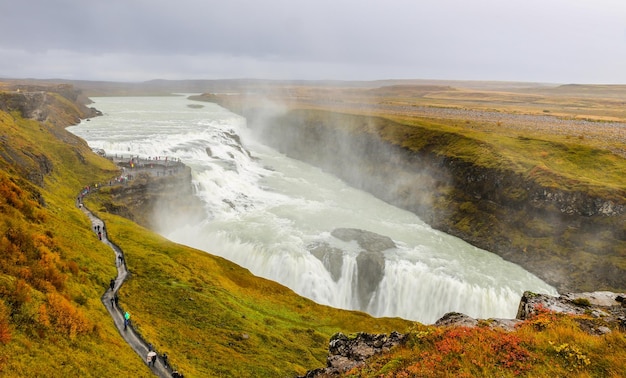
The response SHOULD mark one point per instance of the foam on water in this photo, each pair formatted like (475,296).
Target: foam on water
(264,211)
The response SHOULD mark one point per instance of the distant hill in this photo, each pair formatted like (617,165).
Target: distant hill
(161,87)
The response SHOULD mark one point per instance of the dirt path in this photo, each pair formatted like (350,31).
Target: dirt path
(135,340)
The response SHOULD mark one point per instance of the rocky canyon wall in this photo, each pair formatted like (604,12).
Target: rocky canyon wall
(571,239)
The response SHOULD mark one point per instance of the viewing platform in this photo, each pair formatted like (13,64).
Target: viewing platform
(156,166)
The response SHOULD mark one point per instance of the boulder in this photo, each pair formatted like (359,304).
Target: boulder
(367,240)
(347,352)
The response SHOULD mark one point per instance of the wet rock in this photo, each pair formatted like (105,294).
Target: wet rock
(367,240)
(371,270)
(370,262)
(331,257)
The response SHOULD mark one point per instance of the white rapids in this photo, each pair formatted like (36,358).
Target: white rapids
(265,211)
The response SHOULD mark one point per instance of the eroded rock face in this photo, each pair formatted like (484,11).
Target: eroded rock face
(538,227)
(608,307)
(331,257)
(146,199)
(371,270)
(604,304)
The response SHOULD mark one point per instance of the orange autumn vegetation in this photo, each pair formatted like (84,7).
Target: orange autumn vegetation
(34,260)
(52,269)
(547,345)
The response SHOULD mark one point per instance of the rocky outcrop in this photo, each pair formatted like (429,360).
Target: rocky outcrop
(346,352)
(331,257)
(39,102)
(54,107)
(369,241)
(156,202)
(370,262)
(607,309)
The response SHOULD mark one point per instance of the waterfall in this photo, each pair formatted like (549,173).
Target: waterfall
(283,220)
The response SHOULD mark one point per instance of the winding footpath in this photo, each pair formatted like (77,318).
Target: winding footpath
(134,339)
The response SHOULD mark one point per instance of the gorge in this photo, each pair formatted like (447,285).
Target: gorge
(214,314)
(570,235)
(293,223)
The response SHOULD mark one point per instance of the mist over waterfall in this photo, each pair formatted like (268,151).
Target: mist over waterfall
(292,223)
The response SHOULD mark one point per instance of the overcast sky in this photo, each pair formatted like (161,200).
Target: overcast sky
(555,41)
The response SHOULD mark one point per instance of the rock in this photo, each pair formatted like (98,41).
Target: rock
(603,306)
(346,353)
(370,262)
(331,257)
(457,320)
(371,270)
(367,240)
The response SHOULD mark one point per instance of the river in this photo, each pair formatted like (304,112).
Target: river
(268,213)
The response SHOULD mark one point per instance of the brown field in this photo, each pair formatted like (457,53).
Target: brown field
(592,115)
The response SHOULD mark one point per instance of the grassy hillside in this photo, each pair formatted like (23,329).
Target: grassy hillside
(215,318)
(212,317)
(52,271)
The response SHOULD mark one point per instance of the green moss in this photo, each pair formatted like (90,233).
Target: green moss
(468,207)
(584,302)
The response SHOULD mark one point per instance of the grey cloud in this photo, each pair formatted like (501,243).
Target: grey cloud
(532,40)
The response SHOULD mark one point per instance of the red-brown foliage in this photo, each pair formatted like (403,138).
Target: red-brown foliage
(64,317)
(5,331)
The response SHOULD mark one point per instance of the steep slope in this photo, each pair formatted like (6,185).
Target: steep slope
(211,316)
(52,270)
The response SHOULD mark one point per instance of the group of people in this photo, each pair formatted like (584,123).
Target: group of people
(152,355)
(99,230)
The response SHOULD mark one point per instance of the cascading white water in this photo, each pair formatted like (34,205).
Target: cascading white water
(267,213)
